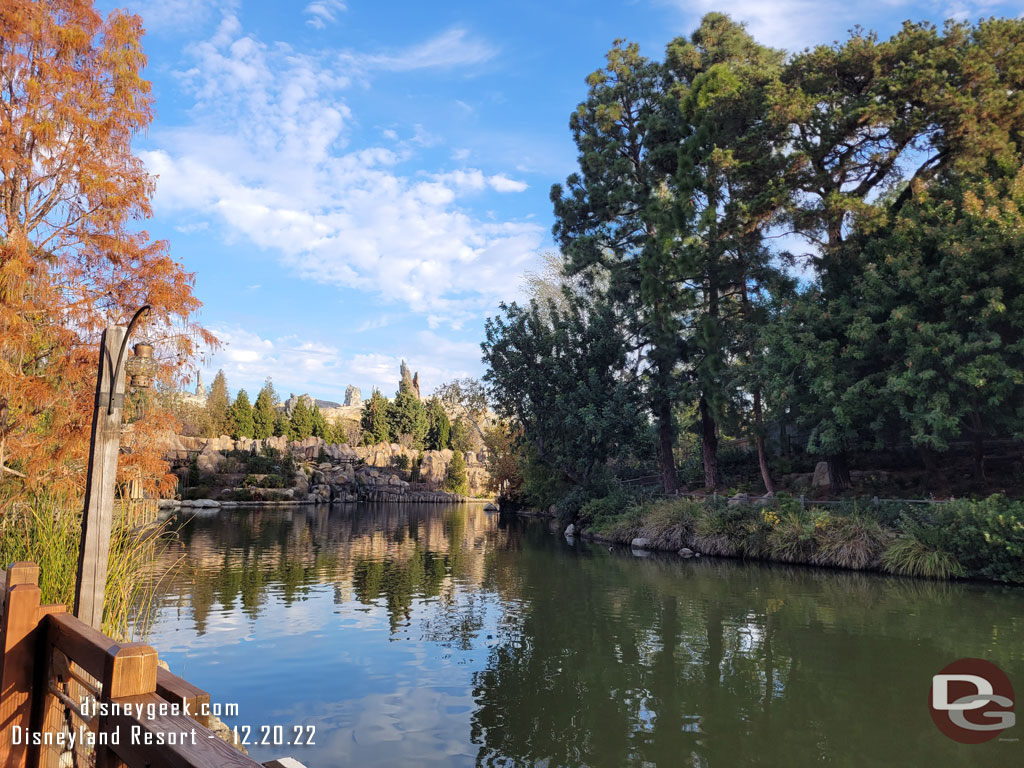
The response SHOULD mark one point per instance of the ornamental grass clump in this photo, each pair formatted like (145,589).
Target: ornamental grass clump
(792,539)
(852,541)
(909,556)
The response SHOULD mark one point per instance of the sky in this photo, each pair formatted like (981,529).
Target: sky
(357,182)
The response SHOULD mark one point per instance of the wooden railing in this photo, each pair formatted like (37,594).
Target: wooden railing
(51,664)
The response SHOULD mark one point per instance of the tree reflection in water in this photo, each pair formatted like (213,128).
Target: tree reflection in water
(597,658)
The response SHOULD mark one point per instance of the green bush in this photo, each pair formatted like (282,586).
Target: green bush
(986,537)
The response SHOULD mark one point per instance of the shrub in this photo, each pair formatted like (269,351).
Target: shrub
(909,556)
(852,541)
(792,539)
(456,479)
(986,537)
(737,529)
(401,461)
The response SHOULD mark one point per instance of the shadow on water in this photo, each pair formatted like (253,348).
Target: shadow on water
(445,635)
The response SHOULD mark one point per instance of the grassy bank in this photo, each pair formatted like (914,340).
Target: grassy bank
(957,539)
(47,531)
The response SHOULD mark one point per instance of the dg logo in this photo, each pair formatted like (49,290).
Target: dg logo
(971,701)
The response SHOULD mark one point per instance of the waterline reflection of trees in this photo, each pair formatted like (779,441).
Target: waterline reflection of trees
(389,555)
(619,661)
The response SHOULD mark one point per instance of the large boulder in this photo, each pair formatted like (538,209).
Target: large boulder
(209,459)
(821,478)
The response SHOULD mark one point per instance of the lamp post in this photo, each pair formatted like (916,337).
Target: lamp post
(104,446)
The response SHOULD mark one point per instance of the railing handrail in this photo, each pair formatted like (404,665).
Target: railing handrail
(41,645)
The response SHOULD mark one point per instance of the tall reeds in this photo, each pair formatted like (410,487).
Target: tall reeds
(46,530)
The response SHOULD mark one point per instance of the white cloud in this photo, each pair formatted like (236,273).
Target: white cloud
(437,360)
(172,15)
(268,157)
(323,12)
(790,24)
(295,364)
(502,183)
(452,48)
(798,24)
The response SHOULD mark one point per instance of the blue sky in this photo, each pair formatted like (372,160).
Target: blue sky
(358,182)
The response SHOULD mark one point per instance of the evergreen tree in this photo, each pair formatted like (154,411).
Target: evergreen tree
(616,215)
(241,416)
(302,420)
(456,479)
(264,414)
(321,428)
(438,426)
(217,404)
(408,418)
(375,419)
(564,377)
(283,426)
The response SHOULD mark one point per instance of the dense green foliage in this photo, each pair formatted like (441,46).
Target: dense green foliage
(241,416)
(263,413)
(376,420)
(456,479)
(439,427)
(900,164)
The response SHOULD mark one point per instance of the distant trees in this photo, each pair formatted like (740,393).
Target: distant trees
(218,403)
(456,479)
(302,420)
(241,417)
(376,420)
(406,415)
(264,413)
(439,428)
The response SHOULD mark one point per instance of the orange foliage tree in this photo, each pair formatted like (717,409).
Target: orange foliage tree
(72,257)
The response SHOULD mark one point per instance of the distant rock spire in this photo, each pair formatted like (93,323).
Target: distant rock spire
(406,384)
(200,389)
(416,384)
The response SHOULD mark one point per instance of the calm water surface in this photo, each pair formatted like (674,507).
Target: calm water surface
(412,635)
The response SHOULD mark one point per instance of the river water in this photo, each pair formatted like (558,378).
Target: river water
(420,635)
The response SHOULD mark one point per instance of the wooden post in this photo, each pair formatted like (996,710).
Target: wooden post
(129,670)
(99,488)
(17,659)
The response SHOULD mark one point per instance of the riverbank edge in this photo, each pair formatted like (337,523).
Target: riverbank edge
(812,538)
(173,505)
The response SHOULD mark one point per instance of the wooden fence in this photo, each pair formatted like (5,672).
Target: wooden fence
(58,675)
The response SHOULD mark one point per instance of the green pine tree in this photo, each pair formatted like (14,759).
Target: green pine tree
(408,419)
(241,416)
(375,419)
(302,420)
(218,401)
(455,479)
(439,427)
(321,428)
(263,414)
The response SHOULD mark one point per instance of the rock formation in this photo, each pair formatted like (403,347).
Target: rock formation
(353,397)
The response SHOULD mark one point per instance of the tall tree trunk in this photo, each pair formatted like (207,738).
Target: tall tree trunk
(709,446)
(762,456)
(838,472)
(784,446)
(979,447)
(928,460)
(666,444)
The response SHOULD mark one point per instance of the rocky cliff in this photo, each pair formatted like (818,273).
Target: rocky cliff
(332,472)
